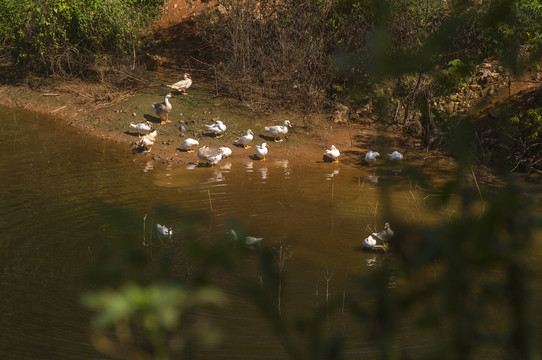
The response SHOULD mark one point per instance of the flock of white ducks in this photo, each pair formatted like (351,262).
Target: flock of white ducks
(213,156)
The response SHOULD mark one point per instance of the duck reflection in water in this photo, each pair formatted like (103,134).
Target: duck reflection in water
(216,176)
(249,165)
(332,174)
(284,165)
(371,260)
(225,166)
(149,165)
(264,173)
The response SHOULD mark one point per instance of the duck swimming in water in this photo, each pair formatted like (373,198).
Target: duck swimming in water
(164,230)
(249,240)
(371,156)
(395,156)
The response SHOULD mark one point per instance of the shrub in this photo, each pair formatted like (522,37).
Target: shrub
(64,36)
(525,132)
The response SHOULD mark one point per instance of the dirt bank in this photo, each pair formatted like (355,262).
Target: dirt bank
(83,105)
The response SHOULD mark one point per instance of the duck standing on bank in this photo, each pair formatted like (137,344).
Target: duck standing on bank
(261,151)
(333,153)
(147,141)
(144,126)
(183,84)
(278,131)
(209,155)
(217,128)
(164,108)
(371,156)
(188,145)
(226,151)
(245,140)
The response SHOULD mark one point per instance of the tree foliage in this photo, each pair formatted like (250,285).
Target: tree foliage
(65,36)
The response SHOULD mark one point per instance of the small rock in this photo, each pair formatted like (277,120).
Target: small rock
(134,114)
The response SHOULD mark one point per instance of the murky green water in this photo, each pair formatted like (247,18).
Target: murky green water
(60,196)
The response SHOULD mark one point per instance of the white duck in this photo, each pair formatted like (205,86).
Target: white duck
(144,126)
(188,144)
(245,140)
(164,108)
(261,151)
(371,156)
(395,156)
(164,230)
(226,151)
(147,141)
(249,240)
(369,242)
(333,153)
(210,156)
(217,128)
(183,84)
(277,131)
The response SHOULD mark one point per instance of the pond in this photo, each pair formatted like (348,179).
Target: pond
(63,192)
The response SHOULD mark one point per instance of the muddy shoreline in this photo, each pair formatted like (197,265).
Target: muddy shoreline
(74,104)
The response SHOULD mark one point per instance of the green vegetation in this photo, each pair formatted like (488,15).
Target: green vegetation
(315,44)
(68,36)
(525,134)
(402,58)
(158,311)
